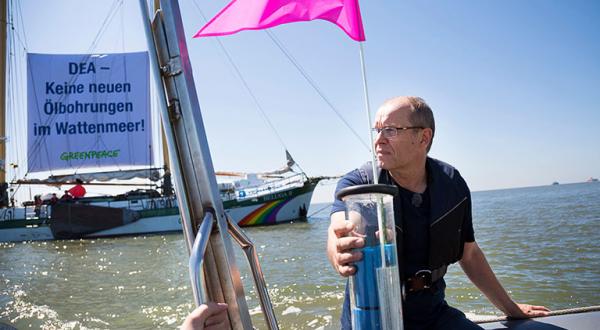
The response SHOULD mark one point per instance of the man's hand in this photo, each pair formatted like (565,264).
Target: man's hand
(210,316)
(527,311)
(340,245)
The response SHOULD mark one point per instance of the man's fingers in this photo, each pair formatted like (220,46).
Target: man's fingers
(218,318)
(207,316)
(347,243)
(342,228)
(346,270)
(535,311)
(345,260)
(218,326)
(345,256)
(348,257)
(538,313)
(201,310)
(213,308)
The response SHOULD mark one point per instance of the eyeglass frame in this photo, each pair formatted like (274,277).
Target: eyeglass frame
(393,129)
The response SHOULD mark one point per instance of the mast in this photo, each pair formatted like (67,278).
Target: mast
(208,230)
(3,184)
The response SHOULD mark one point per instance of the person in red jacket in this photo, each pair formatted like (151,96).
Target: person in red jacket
(78,190)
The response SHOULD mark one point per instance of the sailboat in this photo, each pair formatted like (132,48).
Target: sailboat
(251,199)
(89,113)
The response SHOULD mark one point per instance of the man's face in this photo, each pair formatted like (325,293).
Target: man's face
(399,151)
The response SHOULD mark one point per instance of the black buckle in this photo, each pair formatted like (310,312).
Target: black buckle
(420,281)
(425,274)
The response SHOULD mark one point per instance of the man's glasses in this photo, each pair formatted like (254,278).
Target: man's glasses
(390,131)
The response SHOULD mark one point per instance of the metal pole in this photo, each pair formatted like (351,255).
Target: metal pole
(194,173)
(184,210)
(368,110)
(3,48)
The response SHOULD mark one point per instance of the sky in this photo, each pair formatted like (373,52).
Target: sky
(514,85)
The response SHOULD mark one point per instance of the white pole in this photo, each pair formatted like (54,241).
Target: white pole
(373,159)
(368,109)
(391,319)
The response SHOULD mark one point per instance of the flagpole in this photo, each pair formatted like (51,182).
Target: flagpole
(368,110)
(387,271)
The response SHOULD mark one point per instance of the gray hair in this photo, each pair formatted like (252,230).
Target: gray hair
(421,115)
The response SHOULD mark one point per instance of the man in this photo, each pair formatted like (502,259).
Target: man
(78,190)
(433,211)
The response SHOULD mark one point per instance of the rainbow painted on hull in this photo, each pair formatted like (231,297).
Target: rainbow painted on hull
(264,215)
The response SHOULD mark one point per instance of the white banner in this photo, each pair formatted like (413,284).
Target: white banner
(88,111)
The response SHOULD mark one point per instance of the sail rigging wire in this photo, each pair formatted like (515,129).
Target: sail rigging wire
(246,86)
(319,210)
(303,72)
(12,78)
(117,4)
(10,22)
(259,107)
(118,9)
(313,84)
(129,140)
(115,9)
(300,69)
(20,16)
(14,82)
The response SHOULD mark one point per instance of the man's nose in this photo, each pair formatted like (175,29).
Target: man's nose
(379,138)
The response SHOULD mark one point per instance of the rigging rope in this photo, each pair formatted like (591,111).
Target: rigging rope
(551,313)
(246,86)
(313,84)
(112,13)
(319,210)
(300,69)
(14,84)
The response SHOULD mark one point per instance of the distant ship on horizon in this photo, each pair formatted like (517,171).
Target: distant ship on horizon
(591,179)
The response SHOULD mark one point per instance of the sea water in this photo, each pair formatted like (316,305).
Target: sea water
(542,242)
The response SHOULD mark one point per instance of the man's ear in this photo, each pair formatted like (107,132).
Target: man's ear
(426,136)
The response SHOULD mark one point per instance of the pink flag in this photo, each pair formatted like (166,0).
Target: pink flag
(241,15)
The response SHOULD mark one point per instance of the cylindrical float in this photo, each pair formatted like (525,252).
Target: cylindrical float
(375,294)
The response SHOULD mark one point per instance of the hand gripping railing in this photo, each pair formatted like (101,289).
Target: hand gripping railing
(197,260)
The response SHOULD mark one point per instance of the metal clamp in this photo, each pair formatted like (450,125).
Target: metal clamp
(172,68)
(174,110)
